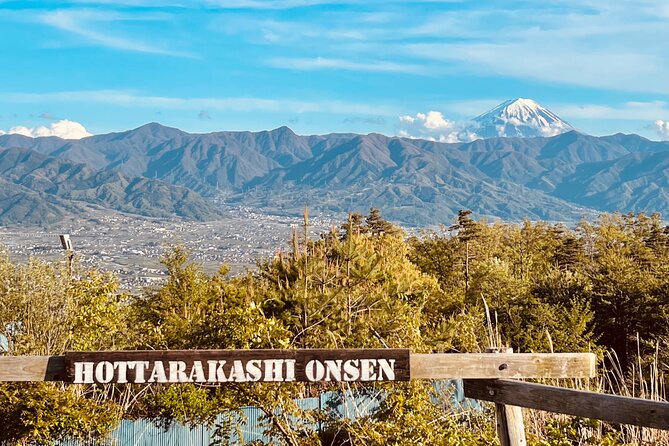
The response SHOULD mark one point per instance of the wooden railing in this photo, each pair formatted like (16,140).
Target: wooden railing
(489,377)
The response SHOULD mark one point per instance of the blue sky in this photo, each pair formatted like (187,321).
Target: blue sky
(331,66)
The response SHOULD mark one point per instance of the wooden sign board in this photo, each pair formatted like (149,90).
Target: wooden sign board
(415,366)
(237,366)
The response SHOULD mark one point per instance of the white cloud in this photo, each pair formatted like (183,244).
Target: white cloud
(554,61)
(88,24)
(628,111)
(615,45)
(276,4)
(322,63)
(625,111)
(433,126)
(240,104)
(65,129)
(662,128)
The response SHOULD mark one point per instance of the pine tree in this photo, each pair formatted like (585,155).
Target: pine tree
(377,225)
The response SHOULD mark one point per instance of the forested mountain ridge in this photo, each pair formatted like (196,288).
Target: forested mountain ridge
(40,189)
(559,178)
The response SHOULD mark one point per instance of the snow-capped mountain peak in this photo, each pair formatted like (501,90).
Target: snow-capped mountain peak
(519,117)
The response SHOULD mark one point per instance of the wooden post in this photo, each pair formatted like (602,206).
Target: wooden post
(510,425)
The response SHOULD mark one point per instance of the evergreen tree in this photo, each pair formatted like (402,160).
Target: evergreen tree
(377,225)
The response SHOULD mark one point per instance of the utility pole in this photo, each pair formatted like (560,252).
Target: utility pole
(66,243)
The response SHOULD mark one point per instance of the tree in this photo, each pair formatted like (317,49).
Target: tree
(569,253)
(354,225)
(45,310)
(629,284)
(42,413)
(377,225)
(514,270)
(192,310)
(352,291)
(467,230)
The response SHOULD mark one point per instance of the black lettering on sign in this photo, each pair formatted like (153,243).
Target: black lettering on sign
(225,366)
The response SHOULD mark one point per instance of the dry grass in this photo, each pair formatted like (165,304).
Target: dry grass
(646,379)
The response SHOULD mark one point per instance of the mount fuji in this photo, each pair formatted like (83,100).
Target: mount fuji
(519,118)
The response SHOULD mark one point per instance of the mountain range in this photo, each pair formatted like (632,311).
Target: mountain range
(161,171)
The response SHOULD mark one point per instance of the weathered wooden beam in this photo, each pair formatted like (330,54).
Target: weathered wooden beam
(421,366)
(580,403)
(502,365)
(32,368)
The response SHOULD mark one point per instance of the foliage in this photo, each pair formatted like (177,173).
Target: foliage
(537,304)
(183,403)
(39,413)
(358,289)
(416,414)
(630,284)
(45,310)
(602,285)
(561,431)
(195,311)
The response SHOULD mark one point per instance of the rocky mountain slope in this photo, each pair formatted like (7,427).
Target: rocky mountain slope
(40,189)
(158,170)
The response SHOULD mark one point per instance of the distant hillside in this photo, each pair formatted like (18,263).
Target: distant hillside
(414,181)
(204,163)
(40,189)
